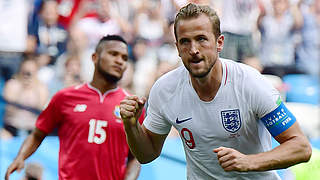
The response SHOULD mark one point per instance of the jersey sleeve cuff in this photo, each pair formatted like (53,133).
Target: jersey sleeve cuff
(151,127)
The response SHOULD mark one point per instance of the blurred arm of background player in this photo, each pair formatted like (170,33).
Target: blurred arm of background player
(145,145)
(29,146)
(133,168)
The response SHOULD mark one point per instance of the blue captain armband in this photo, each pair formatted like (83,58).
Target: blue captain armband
(278,120)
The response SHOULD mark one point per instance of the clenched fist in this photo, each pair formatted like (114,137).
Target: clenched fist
(131,109)
(232,160)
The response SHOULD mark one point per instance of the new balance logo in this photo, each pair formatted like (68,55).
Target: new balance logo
(183,120)
(80,108)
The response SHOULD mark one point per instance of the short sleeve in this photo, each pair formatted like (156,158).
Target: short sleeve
(263,96)
(155,120)
(266,103)
(50,117)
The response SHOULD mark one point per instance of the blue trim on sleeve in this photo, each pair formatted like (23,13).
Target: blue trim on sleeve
(278,120)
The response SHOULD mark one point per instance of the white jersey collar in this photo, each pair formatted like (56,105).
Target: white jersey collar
(101,96)
(224,81)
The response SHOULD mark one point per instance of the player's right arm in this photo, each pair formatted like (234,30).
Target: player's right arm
(144,144)
(29,146)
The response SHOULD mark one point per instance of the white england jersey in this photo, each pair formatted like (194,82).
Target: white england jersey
(231,119)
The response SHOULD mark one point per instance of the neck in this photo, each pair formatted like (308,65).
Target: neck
(102,84)
(207,87)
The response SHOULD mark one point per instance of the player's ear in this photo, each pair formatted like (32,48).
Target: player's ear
(220,43)
(94,57)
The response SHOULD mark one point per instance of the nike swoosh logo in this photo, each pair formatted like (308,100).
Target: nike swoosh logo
(183,120)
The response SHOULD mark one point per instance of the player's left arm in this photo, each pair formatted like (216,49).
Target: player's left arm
(133,168)
(294,148)
(264,100)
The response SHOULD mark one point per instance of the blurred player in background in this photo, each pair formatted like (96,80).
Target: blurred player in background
(223,110)
(92,139)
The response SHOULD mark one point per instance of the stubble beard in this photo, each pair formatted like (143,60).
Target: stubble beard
(201,75)
(107,76)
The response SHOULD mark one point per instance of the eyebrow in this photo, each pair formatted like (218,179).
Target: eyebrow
(201,35)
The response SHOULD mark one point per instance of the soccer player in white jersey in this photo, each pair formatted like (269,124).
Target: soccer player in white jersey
(225,112)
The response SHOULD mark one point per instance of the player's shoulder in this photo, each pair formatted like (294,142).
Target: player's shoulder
(172,79)
(240,71)
(70,90)
(73,89)
(168,84)
(239,67)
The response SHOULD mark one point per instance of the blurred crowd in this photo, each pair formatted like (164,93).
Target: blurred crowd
(46,45)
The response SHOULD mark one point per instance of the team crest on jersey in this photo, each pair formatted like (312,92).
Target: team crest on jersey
(231,120)
(116,112)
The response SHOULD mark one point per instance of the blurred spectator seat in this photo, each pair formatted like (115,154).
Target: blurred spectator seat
(302,88)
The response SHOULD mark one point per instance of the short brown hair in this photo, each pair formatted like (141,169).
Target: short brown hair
(195,10)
